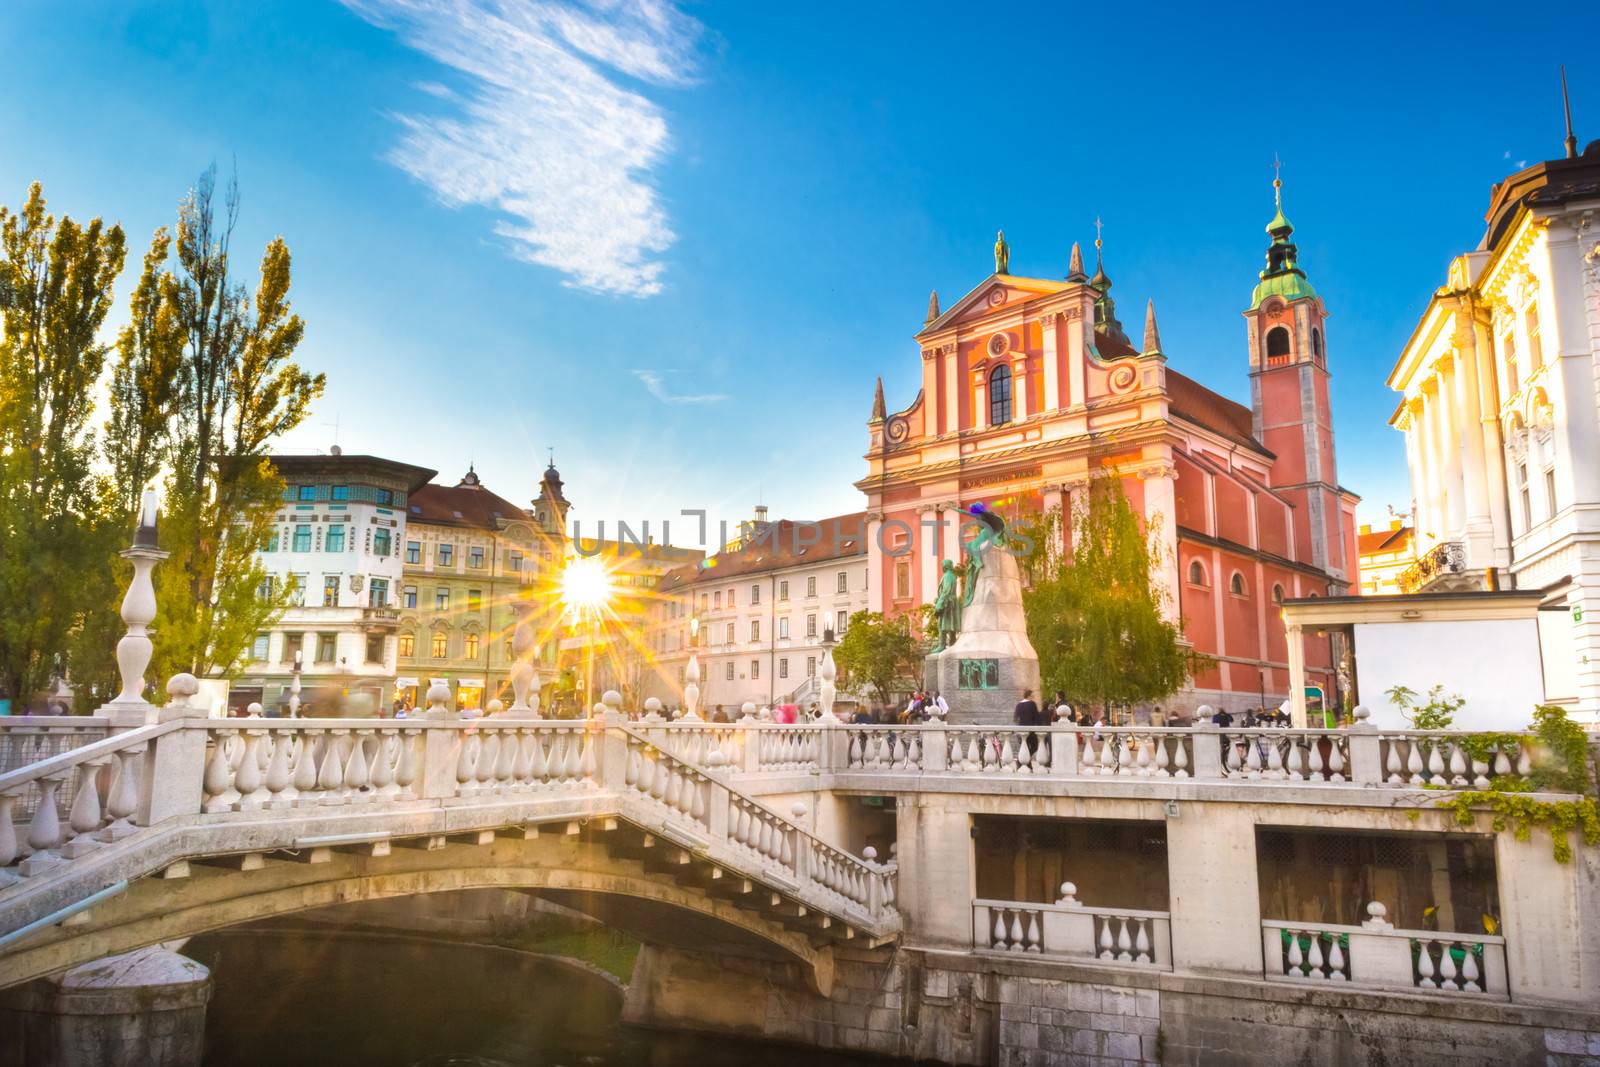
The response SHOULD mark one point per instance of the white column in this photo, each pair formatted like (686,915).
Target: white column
(1432,463)
(927,543)
(875,601)
(1297,677)
(1052,363)
(980,399)
(950,390)
(1019,386)
(1455,473)
(1160,512)
(1079,330)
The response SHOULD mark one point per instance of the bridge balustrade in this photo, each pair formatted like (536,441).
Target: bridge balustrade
(1375,955)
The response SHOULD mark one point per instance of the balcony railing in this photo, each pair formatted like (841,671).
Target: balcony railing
(1375,955)
(1070,930)
(1446,557)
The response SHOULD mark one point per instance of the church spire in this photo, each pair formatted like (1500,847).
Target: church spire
(1283,276)
(1075,268)
(1152,336)
(879,412)
(933,307)
(1571,142)
(1100,281)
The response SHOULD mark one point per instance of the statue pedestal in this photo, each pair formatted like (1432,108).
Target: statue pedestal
(985,670)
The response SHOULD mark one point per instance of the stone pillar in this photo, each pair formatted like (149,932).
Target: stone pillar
(145,1008)
(1052,363)
(1547,909)
(1215,899)
(875,601)
(1454,469)
(1475,473)
(1297,677)
(1161,515)
(980,399)
(927,542)
(1019,386)
(936,876)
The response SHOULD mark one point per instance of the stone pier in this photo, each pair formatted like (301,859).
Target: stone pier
(140,1009)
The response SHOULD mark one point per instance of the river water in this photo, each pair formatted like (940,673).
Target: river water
(312,998)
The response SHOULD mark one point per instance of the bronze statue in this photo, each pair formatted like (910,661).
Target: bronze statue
(947,605)
(1002,254)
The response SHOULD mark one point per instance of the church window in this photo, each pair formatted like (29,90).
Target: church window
(902,579)
(1316,344)
(1197,573)
(1277,342)
(1236,584)
(1277,593)
(1000,396)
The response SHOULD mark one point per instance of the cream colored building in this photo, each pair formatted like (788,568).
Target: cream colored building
(764,605)
(1385,556)
(1501,414)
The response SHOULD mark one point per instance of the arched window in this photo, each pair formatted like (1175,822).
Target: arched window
(1316,344)
(1236,584)
(1277,593)
(1197,573)
(1277,342)
(1000,395)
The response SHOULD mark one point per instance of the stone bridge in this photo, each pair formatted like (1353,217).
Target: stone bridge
(742,853)
(188,824)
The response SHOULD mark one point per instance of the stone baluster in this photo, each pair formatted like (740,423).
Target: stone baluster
(134,650)
(330,776)
(122,800)
(384,752)
(248,778)
(87,812)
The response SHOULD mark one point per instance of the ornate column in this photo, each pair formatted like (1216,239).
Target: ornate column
(874,561)
(1052,362)
(1297,677)
(928,549)
(1454,471)
(130,708)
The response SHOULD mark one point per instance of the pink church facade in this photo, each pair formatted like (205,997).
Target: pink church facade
(1030,388)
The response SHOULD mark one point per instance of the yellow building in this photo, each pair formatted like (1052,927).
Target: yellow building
(471,560)
(1385,555)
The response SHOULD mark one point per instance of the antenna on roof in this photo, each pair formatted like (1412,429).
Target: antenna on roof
(1566,105)
(335,450)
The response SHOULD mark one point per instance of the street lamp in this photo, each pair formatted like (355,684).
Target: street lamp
(691,673)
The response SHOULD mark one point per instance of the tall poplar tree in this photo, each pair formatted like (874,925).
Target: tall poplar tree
(1095,613)
(206,381)
(55,293)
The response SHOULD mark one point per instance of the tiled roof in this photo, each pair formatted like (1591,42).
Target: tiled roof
(1372,542)
(777,546)
(462,505)
(1188,399)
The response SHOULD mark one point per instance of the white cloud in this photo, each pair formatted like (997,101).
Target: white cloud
(658,389)
(544,133)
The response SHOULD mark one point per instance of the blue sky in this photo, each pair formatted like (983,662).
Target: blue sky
(678,244)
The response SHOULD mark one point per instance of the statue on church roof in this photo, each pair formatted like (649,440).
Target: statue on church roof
(1002,254)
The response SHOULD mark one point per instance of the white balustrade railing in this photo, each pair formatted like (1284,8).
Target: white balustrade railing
(788,748)
(107,786)
(1452,760)
(1275,754)
(1375,955)
(883,748)
(1069,930)
(1347,756)
(29,739)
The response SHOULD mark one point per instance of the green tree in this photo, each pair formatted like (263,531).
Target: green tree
(1095,614)
(55,293)
(205,381)
(882,652)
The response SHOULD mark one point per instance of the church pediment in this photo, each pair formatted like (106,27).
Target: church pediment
(994,293)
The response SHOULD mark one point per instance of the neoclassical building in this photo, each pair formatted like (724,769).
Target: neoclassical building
(764,606)
(472,559)
(1501,414)
(1031,387)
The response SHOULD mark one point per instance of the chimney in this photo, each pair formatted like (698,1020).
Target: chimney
(1366,528)
(1395,524)
(761,514)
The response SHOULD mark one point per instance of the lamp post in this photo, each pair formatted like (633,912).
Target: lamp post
(691,673)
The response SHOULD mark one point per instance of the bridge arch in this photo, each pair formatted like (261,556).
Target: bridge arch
(209,898)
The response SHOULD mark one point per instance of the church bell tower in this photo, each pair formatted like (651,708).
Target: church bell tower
(1290,399)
